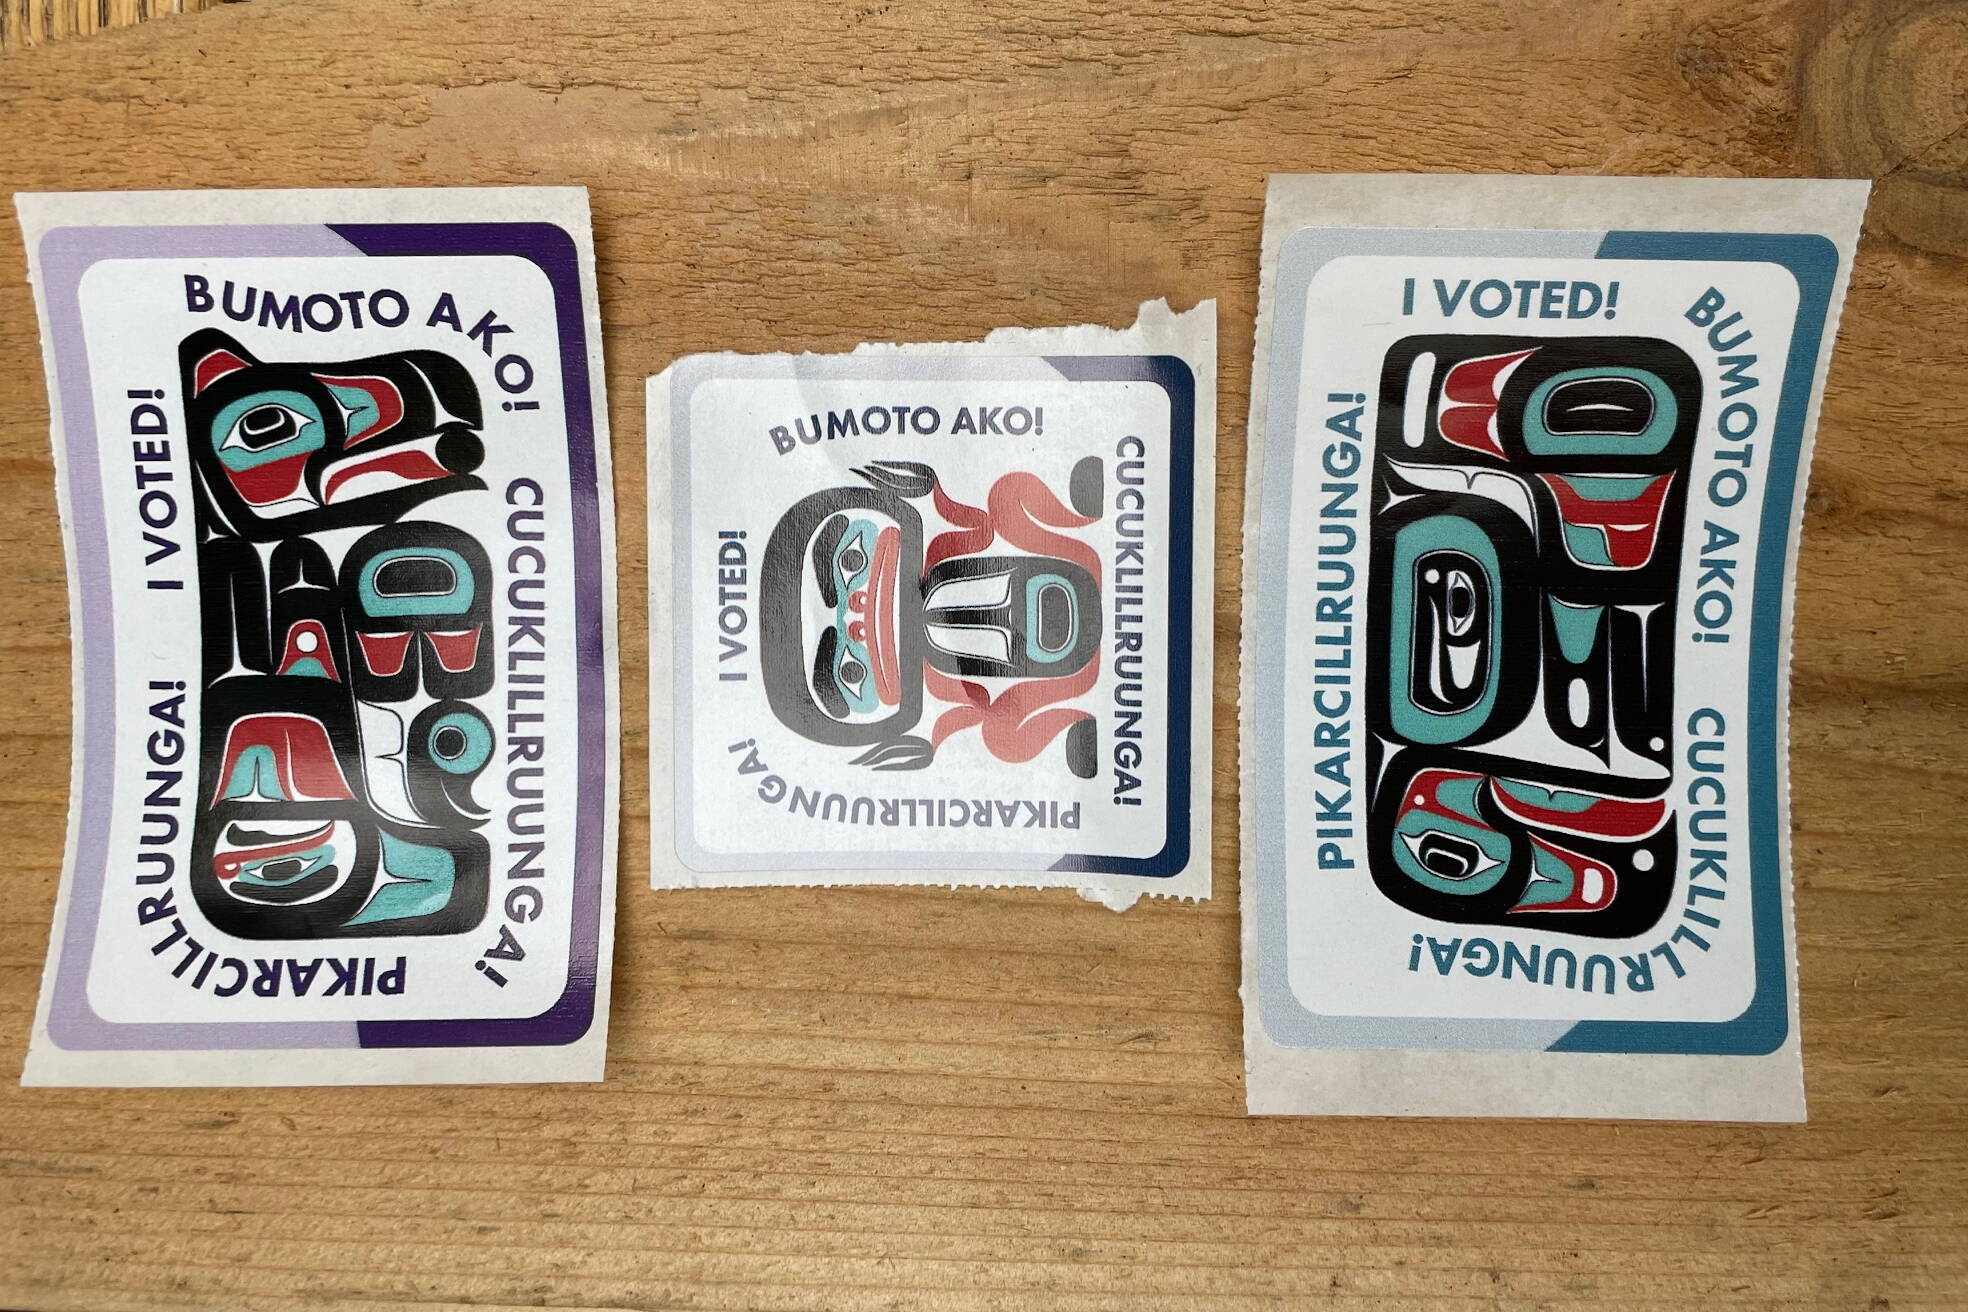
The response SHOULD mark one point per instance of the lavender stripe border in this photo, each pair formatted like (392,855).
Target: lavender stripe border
(67,254)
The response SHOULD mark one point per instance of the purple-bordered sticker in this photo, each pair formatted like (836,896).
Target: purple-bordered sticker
(335,497)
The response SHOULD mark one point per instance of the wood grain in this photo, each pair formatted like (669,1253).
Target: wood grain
(30,22)
(1001,1100)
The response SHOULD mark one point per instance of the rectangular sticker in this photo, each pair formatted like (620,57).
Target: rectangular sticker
(1523,523)
(937,614)
(333,470)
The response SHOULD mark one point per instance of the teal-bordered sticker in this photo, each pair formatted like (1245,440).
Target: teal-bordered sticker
(1764,1024)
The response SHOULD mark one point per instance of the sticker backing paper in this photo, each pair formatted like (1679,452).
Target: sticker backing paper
(1520,546)
(937,614)
(333,470)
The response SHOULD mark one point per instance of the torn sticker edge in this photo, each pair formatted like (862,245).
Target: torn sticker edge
(1189,335)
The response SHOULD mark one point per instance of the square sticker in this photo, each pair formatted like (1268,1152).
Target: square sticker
(932,616)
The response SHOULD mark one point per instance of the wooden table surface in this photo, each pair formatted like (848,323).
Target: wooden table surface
(970,1100)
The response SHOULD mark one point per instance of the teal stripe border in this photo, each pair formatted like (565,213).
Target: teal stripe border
(1765,1023)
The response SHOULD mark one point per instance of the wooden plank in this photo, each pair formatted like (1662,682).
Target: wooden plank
(30,22)
(1002,1099)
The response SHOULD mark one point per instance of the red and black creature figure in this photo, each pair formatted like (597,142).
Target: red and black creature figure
(338,737)
(1528,499)
(862,616)
(284,450)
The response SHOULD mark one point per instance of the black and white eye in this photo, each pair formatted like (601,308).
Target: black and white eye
(1449,856)
(265,426)
(280,872)
(1461,603)
(1453,619)
(852,673)
(852,562)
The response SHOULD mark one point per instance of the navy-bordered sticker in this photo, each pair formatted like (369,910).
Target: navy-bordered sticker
(1175,379)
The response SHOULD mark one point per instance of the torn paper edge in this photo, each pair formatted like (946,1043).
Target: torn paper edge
(1157,330)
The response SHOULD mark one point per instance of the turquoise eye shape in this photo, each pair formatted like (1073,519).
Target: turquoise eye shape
(856,554)
(278,872)
(1052,618)
(460,743)
(1607,411)
(1440,840)
(1448,856)
(1445,630)
(267,426)
(416,581)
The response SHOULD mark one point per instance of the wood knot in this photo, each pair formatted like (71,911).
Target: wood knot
(1884,94)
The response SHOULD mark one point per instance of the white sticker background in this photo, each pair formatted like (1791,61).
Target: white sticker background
(756,802)
(1350,945)
(139,987)
(1335,1021)
(123,302)
(727,817)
